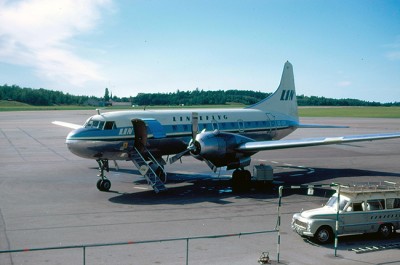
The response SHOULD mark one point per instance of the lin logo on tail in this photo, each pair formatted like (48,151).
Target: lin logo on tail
(287,95)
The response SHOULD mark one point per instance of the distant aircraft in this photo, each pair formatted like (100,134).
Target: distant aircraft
(219,137)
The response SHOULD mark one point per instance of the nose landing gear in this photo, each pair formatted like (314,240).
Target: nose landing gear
(103,184)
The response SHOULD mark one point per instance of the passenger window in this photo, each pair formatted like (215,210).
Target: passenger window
(393,203)
(215,125)
(110,125)
(373,205)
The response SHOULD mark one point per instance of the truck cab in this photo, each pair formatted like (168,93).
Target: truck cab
(362,208)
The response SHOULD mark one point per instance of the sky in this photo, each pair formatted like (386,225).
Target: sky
(339,49)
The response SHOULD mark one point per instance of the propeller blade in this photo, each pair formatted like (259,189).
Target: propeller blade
(191,147)
(195,124)
(178,156)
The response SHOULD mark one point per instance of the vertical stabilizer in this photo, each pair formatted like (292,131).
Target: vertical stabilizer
(283,100)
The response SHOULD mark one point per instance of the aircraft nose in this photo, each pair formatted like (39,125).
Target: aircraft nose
(72,143)
(76,144)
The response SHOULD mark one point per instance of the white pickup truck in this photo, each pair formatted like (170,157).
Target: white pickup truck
(366,208)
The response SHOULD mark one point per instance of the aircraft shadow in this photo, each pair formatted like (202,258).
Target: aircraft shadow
(189,191)
(195,188)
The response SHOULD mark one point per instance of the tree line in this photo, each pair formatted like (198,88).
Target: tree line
(246,97)
(199,97)
(40,97)
(44,97)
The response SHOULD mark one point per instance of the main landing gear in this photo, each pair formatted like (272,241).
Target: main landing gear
(241,180)
(103,184)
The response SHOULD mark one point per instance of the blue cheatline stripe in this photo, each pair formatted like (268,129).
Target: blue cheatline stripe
(123,133)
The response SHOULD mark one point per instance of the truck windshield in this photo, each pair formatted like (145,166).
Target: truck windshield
(333,202)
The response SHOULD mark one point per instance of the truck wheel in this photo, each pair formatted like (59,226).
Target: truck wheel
(324,235)
(385,231)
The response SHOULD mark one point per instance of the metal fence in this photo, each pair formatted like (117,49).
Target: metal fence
(84,247)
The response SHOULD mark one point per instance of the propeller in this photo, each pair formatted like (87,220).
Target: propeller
(191,146)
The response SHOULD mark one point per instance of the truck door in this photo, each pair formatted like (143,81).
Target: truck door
(354,219)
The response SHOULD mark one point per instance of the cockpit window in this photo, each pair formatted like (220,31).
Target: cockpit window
(110,125)
(94,124)
(101,125)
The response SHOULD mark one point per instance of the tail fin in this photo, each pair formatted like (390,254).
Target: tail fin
(283,100)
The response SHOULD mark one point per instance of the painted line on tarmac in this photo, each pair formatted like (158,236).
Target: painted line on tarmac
(140,188)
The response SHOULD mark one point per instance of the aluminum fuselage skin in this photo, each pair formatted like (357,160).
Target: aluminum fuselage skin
(172,132)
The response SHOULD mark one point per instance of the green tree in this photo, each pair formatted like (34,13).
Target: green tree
(106,95)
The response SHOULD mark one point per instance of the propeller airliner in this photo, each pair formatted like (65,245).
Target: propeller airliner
(219,137)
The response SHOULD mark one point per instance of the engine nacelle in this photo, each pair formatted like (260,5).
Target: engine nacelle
(220,148)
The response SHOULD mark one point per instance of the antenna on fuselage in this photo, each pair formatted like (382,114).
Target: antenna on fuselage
(98,111)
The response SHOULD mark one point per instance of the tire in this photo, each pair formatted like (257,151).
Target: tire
(241,180)
(163,176)
(385,231)
(103,185)
(324,235)
(98,185)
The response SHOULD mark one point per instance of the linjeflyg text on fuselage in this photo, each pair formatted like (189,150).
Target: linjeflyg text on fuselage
(201,118)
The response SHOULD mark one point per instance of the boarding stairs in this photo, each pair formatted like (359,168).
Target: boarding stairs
(148,171)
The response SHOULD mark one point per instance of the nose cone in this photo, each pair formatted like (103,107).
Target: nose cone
(78,142)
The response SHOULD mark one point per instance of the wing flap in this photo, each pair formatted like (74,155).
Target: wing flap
(282,144)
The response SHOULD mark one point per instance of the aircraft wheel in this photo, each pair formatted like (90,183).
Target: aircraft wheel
(98,185)
(103,185)
(163,176)
(241,180)
(246,180)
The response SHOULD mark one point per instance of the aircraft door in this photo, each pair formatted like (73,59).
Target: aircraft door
(139,127)
(155,128)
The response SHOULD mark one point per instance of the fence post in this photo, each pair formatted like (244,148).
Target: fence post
(279,223)
(84,255)
(337,220)
(187,251)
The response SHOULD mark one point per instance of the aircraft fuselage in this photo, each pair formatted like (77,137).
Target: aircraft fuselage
(111,135)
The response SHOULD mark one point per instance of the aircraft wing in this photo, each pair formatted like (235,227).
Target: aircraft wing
(282,144)
(67,124)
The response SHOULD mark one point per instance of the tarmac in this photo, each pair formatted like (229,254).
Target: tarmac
(48,198)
